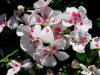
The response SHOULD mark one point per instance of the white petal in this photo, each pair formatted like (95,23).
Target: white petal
(41,3)
(34,19)
(61,55)
(27,63)
(12,23)
(95,43)
(84,68)
(46,35)
(78,48)
(86,25)
(21,30)
(46,13)
(13,71)
(86,72)
(37,30)
(82,11)
(97,72)
(25,43)
(55,17)
(60,43)
(1,28)
(66,24)
(14,63)
(99,53)
(48,61)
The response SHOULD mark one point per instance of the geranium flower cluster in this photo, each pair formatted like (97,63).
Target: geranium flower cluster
(44,32)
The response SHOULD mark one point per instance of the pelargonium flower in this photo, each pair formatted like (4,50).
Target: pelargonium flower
(95,44)
(35,37)
(85,25)
(16,66)
(91,70)
(46,54)
(32,19)
(76,17)
(79,40)
(2,21)
(73,15)
(11,23)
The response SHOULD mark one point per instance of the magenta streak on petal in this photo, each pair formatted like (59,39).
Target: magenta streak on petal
(46,52)
(47,30)
(70,21)
(54,48)
(82,40)
(45,17)
(58,29)
(57,36)
(97,45)
(39,20)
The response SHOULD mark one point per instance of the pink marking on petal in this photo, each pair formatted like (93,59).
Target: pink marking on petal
(54,47)
(70,21)
(97,45)
(39,20)
(53,21)
(83,40)
(58,29)
(47,30)
(76,28)
(81,23)
(57,36)
(32,30)
(45,17)
(45,52)
(78,16)
(13,69)
(74,14)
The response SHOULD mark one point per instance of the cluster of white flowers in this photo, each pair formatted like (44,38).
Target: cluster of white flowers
(43,34)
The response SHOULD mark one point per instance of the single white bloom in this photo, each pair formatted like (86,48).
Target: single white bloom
(46,54)
(79,40)
(16,66)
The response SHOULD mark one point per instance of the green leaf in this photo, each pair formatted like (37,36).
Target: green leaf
(81,56)
(4,60)
(14,52)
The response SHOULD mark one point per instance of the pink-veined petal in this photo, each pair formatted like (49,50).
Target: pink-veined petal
(41,3)
(55,17)
(60,43)
(78,48)
(27,63)
(82,11)
(13,70)
(61,55)
(48,61)
(21,30)
(12,23)
(95,43)
(46,35)
(25,43)
(84,26)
